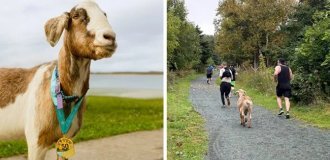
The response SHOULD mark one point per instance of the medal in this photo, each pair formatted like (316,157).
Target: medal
(64,147)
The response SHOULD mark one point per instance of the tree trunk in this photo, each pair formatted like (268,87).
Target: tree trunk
(255,65)
(267,56)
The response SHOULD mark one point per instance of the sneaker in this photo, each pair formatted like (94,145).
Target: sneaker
(287,115)
(223,106)
(208,82)
(280,112)
(228,101)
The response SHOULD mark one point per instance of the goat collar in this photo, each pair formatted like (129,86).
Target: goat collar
(58,97)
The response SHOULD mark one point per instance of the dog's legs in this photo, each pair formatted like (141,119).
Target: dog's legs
(242,119)
(240,115)
(249,118)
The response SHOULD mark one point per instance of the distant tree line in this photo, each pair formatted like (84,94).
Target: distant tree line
(187,47)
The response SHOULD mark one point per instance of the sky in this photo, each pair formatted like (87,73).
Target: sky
(138,25)
(202,13)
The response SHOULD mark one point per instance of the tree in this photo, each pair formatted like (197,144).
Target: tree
(312,61)
(249,28)
(183,39)
(295,28)
(173,29)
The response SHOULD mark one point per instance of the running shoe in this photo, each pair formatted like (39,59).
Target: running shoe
(280,112)
(287,115)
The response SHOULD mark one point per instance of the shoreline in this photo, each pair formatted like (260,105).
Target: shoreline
(127,93)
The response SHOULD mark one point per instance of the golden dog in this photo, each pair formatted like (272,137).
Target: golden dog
(244,104)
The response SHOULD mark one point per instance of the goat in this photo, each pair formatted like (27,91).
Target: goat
(244,104)
(26,107)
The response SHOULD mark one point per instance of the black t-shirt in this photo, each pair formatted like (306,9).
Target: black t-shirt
(283,78)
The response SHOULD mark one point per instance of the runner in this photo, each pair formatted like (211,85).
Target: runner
(225,86)
(283,76)
(209,72)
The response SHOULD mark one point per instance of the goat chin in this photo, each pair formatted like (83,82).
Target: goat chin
(102,53)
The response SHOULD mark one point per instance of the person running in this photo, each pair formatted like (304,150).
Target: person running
(225,86)
(283,76)
(209,72)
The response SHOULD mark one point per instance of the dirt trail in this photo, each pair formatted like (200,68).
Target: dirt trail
(270,138)
(146,145)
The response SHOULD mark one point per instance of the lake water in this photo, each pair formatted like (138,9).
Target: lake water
(131,85)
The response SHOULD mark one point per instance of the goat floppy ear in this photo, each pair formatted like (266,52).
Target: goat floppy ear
(54,28)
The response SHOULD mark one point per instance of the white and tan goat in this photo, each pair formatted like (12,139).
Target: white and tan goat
(26,108)
(244,104)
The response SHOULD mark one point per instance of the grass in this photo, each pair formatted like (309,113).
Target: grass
(106,116)
(317,115)
(186,137)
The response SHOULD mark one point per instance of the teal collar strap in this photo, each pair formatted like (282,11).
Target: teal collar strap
(57,98)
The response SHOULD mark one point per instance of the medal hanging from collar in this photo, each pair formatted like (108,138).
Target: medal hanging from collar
(64,146)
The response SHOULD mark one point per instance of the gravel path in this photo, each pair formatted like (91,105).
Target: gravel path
(270,138)
(146,145)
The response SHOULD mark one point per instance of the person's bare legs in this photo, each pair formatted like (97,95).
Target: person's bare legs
(279,103)
(287,104)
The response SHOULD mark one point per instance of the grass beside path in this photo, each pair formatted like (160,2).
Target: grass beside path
(186,135)
(106,116)
(315,115)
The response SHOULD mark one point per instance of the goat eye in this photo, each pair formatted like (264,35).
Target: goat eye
(75,16)
(105,14)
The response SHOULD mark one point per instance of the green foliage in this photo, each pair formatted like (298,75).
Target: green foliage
(260,80)
(262,64)
(298,22)
(178,8)
(187,47)
(106,116)
(186,136)
(188,52)
(183,38)
(312,61)
(207,50)
(249,28)
(173,29)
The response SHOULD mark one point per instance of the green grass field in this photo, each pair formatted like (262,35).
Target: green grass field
(186,135)
(107,116)
(317,115)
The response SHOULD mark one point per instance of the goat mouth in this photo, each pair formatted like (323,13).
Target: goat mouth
(104,52)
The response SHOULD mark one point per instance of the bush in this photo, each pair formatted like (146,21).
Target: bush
(304,91)
(312,62)
(260,80)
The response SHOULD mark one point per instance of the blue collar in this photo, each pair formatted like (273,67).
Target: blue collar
(57,98)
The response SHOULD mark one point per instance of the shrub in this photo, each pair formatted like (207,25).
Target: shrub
(259,79)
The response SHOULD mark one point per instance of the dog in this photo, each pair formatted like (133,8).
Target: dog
(244,104)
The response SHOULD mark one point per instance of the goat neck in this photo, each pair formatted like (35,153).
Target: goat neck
(73,72)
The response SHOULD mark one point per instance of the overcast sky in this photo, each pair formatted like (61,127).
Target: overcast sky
(138,25)
(202,13)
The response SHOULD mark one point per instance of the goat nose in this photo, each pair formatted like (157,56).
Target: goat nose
(109,36)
